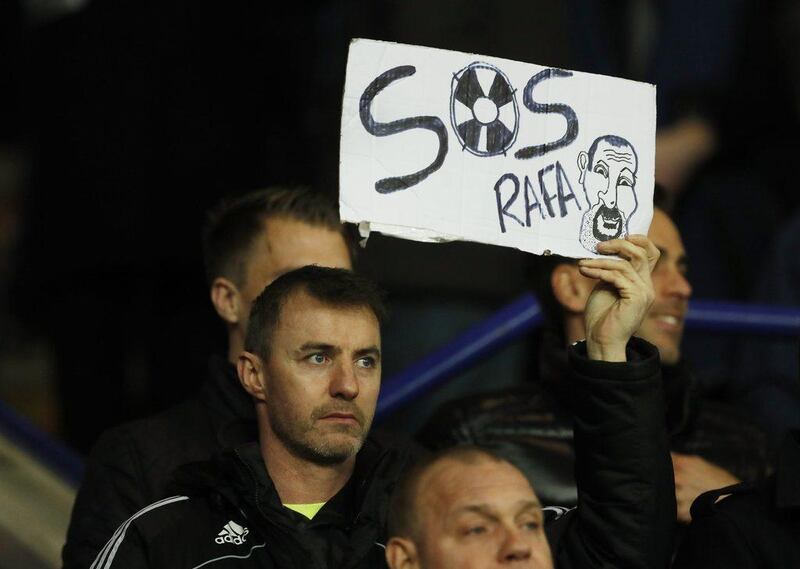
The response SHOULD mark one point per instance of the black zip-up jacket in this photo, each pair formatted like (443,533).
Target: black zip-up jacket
(132,464)
(231,516)
(233,497)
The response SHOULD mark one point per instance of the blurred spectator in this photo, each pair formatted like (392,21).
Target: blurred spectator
(725,114)
(751,525)
(713,444)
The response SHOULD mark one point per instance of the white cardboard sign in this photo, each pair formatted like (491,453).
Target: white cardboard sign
(440,145)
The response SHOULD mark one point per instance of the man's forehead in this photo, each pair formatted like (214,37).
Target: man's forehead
(455,486)
(302,314)
(286,244)
(280,231)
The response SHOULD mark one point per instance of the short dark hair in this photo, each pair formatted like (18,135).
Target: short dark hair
(335,287)
(233,225)
(402,519)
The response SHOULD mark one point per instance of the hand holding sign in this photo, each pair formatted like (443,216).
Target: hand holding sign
(440,145)
(620,301)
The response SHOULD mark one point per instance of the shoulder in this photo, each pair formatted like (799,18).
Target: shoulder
(133,463)
(729,437)
(724,531)
(468,419)
(178,532)
(140,529)
(167,434)
(738,503)
(731,514)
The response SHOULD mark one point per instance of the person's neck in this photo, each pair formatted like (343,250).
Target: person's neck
(235,343)
(299,481)
(574,329)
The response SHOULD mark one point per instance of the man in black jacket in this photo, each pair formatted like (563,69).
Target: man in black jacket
(315,490)
(713,444)
(248,242)
(749,526)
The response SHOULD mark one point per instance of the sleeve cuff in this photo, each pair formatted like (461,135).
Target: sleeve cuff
(643,362)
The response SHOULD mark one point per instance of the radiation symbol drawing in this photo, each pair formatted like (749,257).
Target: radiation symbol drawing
(483,110)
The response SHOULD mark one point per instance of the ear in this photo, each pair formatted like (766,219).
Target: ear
(401,553)
(583,160)
(251,375)
(570,288)
(227,299)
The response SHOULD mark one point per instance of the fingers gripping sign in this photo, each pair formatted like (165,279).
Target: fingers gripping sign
(621,298)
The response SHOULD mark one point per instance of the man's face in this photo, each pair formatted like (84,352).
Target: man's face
(663,326)
(612,169)
(322,378)
(284,245)
(478,516)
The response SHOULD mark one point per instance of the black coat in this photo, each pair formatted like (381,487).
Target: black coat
(131,465)
(234,510)
(232,514)
(533,426)
(757,526)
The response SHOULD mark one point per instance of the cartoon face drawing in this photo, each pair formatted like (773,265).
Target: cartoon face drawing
(606,171)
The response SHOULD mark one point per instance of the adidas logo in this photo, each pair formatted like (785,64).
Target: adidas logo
(232,533)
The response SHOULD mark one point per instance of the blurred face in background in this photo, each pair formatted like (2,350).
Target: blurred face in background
(663,326)
(284,245)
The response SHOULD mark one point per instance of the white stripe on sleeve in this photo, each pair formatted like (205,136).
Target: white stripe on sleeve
(106,555)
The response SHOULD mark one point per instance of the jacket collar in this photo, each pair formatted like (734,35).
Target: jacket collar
(231,409)
(362,501)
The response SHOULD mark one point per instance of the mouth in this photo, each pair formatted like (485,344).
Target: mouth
(669,322)
(343,418)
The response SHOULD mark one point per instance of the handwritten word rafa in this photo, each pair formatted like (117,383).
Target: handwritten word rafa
(549,197)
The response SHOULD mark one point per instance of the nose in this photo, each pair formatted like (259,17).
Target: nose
(678,285)
(515,547)
(344,383)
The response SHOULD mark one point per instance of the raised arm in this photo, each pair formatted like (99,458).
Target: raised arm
(626,497)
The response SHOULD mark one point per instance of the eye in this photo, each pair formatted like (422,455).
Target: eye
(624,182)
(475,530)
(318,359)
(531,526)
(367,362)
(600,169)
